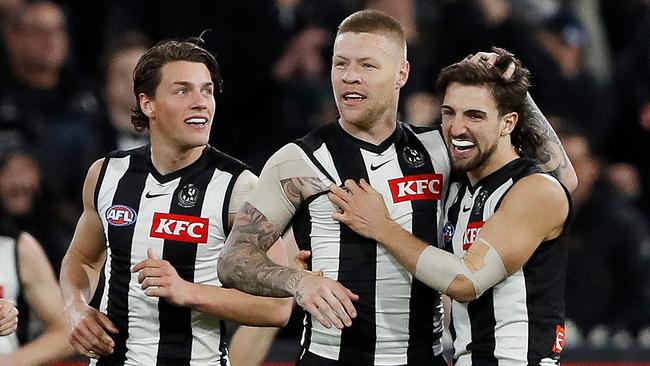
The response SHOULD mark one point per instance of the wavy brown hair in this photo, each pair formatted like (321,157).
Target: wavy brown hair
(147,72)
(509,94)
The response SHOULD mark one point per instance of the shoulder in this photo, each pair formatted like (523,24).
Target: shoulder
(288,152)
(420,129)
(538,192)
(226,162)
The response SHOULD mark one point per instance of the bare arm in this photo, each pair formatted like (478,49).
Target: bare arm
(159,278)
(44,299)
(79,276)
(284,183)
(533,211)
(551,157)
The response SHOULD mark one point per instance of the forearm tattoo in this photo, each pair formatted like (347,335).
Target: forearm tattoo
(551,156)
(243,263)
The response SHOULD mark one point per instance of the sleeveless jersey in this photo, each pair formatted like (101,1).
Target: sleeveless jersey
(520,321)
(398,317)
(183,216)
(9,285)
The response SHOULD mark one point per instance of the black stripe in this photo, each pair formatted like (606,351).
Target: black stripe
(128,192)
(222,344)
(225,215)
(175,345)
(357,260)
(424,300)
(310,153)
(100,178)
(301,224)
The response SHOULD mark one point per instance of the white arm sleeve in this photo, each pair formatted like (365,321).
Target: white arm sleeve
(244,185)
(438,269)
(269,196)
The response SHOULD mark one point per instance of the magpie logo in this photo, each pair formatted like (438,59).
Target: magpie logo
(375,167)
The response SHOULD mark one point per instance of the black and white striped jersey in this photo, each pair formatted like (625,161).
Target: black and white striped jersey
(9,284)
(399,318)
(520,321)
(183,216)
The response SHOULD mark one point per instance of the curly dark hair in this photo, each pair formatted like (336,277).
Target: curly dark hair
(147,74)
(509,94)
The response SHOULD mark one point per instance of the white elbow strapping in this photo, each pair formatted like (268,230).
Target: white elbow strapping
(438,269)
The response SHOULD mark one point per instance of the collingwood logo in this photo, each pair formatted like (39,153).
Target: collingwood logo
(413,157)
(188,195)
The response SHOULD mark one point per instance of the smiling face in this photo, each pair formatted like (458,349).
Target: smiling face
(180,114)
(368,70)
(474,131)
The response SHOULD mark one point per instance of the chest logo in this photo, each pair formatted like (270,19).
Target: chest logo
(188,196)
(413,157)
(560,339)
(470,235)
(416,187)
(188,229)
(447,234)
(120,215)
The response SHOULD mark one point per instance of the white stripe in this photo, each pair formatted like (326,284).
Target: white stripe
(511,315)
(206,328)
(462,323)
(144,326)
(393,282)
(325,248)
(435,145)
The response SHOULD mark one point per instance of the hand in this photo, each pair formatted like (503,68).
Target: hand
(300,260)
(489,58)
(89,329)
(158,278)
(361,208)
(326,300)
(8,317)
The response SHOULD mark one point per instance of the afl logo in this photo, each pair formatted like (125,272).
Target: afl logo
(447,233)
(120,215)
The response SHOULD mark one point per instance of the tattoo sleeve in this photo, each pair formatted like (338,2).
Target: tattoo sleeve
(243,263)
(551,156)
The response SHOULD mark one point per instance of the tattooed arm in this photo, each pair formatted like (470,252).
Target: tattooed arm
(551,156)
(286,181)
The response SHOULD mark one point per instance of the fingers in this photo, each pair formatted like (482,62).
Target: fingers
(8,318)
(90,338)
(147,263)
(338,202)
(339,192)
(509,71)
(151,254)
(313,310)
(352,186)
(149,272)
(105,322)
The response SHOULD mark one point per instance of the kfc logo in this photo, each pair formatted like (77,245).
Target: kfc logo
(560,341)
(120,215)
(470,235)
(416,187)
(188,229)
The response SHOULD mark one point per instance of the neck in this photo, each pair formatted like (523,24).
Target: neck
(374,132)
(504,154)
(37,79)
(166,159)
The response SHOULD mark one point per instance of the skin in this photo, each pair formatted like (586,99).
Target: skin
(185,91)
(44,299)
(534,210)
(375,68)
(8,317)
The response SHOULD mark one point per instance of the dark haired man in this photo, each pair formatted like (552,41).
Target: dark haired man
(158,216)
(503,266)
(397,317)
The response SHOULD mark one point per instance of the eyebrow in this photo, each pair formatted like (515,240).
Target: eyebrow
(188,84)
(469,111)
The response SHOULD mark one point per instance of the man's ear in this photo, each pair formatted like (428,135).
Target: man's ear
(403,74)
(509,121)
(146,105)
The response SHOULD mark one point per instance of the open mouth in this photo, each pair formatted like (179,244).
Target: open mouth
(197,121)
(353,97)
(462,145)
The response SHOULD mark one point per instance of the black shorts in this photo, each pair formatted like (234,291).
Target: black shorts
(310,359)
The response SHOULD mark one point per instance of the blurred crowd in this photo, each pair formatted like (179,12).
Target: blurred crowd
(66,94)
